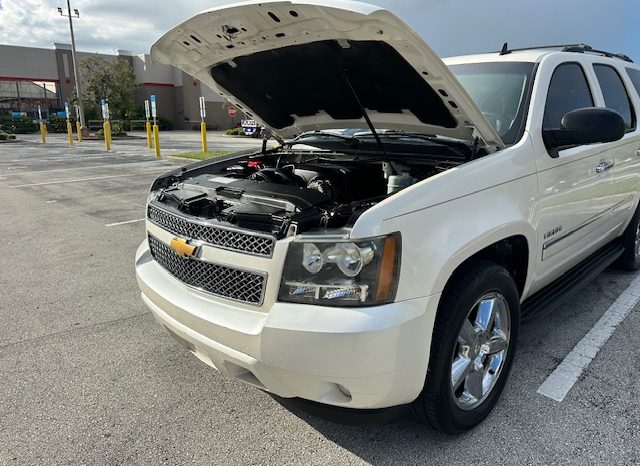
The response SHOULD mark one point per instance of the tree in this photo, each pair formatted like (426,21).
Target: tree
(113,80)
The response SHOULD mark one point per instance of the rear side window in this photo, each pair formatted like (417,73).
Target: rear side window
(614,93)
(568,90)
(634,75)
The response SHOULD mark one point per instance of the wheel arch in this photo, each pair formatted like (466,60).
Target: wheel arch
(510,247)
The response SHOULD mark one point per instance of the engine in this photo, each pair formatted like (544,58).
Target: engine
(289,197)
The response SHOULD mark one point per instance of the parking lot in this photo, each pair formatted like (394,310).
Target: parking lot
(88,377)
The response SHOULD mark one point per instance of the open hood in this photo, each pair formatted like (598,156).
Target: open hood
(309,65)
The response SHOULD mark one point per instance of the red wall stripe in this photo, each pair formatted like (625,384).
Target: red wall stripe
(159,84)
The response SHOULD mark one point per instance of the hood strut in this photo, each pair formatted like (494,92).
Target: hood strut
(364,112)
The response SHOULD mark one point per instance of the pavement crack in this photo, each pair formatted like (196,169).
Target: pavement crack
(73,330)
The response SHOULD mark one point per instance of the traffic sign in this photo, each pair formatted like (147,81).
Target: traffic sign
(153,105)
(232,111)
(147,111)
(203,108)
(104,104)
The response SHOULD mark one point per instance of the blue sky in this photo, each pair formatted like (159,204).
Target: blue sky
(451,27)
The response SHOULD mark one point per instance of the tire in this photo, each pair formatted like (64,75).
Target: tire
(454,408)
(630,258)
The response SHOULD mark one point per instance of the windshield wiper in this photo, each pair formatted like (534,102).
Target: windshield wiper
(324,134)
(455,144)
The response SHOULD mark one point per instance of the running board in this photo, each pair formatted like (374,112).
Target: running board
(549,298)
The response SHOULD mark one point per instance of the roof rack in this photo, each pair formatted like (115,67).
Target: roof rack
(577,48)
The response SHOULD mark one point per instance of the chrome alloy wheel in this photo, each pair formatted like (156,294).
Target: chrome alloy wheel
(481,350)
(637,242)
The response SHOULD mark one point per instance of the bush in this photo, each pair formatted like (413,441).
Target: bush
(6,136)
(23,125)
(57,125)
(235,132)
(165,124)
(117,129)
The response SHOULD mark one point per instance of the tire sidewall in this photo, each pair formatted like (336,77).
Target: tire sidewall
(495,279)
(631,261)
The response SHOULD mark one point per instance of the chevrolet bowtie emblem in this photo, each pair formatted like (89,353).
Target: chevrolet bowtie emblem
(182,248)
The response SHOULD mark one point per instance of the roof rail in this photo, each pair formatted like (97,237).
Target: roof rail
(577,48)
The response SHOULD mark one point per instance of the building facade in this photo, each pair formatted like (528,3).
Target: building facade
(32,77)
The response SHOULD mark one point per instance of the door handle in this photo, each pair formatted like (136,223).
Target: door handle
(604,166)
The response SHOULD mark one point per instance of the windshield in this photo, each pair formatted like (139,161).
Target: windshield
(501,91)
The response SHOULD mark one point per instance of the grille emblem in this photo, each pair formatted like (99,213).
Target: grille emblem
(182,248)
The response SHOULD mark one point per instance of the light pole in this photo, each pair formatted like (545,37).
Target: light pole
(76,72)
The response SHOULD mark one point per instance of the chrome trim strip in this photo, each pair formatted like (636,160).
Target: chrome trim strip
(593,219)
(205,223)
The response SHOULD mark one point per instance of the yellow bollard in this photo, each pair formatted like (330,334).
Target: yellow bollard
(203,131)
(43,132)
(110,135)
(106,127)
(149,138)
(70,133)
(79,129)
(156,139)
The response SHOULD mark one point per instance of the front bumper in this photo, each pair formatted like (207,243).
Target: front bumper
(364,358)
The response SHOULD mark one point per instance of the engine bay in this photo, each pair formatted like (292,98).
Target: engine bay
(286,193)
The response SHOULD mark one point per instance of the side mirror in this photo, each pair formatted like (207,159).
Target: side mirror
(585,126)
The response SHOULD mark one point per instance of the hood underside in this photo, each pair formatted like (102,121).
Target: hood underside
(298,67)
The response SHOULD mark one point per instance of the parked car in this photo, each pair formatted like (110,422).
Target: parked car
(368,272)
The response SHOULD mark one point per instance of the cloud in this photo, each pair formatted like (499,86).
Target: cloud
(451,27)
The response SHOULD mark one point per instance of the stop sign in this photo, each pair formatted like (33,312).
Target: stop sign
(232,111)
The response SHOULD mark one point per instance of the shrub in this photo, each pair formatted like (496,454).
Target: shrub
(57,125)
(165,124)
(117,129)
(235,132)
(23,125)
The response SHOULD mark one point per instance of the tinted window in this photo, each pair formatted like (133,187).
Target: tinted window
(615,95)
(634,75)
(568,91)
(501,91)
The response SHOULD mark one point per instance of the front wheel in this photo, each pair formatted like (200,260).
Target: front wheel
(472,348)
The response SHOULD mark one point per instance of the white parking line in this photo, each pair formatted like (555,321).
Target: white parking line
(151,162)
(564,377)
(124,223)
(78,180)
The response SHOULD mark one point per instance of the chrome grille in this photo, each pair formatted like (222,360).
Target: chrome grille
(239,285)
(217,236)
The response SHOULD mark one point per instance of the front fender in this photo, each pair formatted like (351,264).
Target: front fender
(450,217)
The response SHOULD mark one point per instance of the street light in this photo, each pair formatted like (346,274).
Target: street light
(76,72)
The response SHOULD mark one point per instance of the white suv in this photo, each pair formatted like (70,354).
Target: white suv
(389,268)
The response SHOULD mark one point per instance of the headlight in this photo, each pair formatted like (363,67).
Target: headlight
(342,273)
